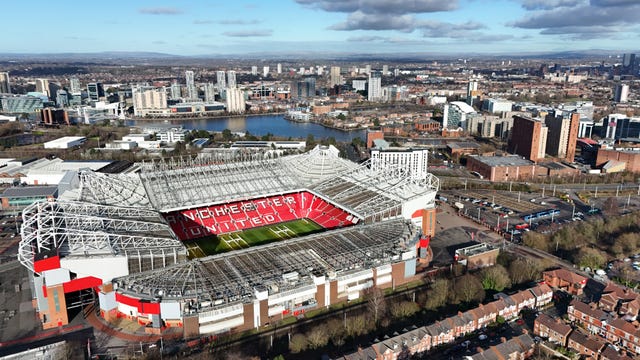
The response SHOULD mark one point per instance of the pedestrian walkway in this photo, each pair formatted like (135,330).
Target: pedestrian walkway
(127,333)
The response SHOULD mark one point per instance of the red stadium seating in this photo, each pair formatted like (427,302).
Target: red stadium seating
(219,219)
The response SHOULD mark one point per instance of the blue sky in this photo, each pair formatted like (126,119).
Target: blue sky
(372,26)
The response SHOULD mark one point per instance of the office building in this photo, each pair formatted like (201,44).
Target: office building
(265,71)
(385,70)
(220,80)
(528,138)
(374,89)
(21,104)
(620,126)
(146,99)
(456,114)
(254,70)
(489,126)
(210,92)
(621,93)
(411,161)
(74,86)
(367,69)
(231,79)
(176,90)
(192,91)
(5,85)
(62,98)
(630,64)
(562,133)
(306,88)
(501,168)
(42,86)
(235,101)
(95,91)
(51,116)
(279,68)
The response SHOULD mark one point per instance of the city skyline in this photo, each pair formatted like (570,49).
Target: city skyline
(196,28)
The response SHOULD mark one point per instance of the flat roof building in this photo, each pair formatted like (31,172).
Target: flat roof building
(65,142)
(501,168)
(528,138)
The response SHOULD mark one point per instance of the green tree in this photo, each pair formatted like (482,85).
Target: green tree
(227,135)
(592,258)
(495,278)
(376,122)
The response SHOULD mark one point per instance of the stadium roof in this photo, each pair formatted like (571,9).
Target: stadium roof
(235,277)
(76,228)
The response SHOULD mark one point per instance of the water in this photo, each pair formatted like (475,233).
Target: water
(259,125)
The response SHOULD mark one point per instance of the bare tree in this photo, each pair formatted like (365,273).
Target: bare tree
(298,343)
(317,337)
(376,303)
(468,289)
(438,294)
(404,309)
(336,331)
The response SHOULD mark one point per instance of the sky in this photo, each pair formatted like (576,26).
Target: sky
(215,27)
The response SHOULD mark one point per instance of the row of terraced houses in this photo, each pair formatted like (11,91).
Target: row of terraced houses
(446,331)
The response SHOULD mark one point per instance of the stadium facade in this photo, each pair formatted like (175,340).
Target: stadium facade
(126,241)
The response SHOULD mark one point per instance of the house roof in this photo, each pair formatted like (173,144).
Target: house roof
(588,342)
(554,324)
(567,275)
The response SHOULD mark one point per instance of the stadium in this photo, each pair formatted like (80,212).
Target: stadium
(231,240)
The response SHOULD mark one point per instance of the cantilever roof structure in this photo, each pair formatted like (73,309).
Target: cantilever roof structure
(74,228)
(278,267)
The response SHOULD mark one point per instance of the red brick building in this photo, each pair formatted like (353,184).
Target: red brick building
(631,158)
(565,280)
(501,168)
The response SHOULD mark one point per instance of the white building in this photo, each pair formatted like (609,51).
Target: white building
(220,80)
(172,135)
(621,94)
(66,142)
(497,105)
(254,70)
(209,92)
(265,71)
(235,101)
(148,99)
(231,79)
(192,91)
(279,68)
(359,85)
(374,92)
(413,161)
(455,115)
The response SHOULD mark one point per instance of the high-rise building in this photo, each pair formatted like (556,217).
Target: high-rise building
(265,71)
(192,91)
(456,114)
(562,134)
(621,94)
(528,138)
(334,76)
(176,90)
(630,64)
(254,70)
(413,162)
(95,91)
(306,88)
(359,84)
(367,69)
(385,70)
(74,86)
(220,80)
(209,92)
(279,68)
(42,86)
(231,79)
(62,98)
(472,89)
(147,98)
(5,86)
(375,87)
(235,101)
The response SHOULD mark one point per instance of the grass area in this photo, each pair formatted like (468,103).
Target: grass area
(211,245)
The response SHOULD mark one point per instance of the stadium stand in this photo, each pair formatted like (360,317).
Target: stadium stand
(241,215)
